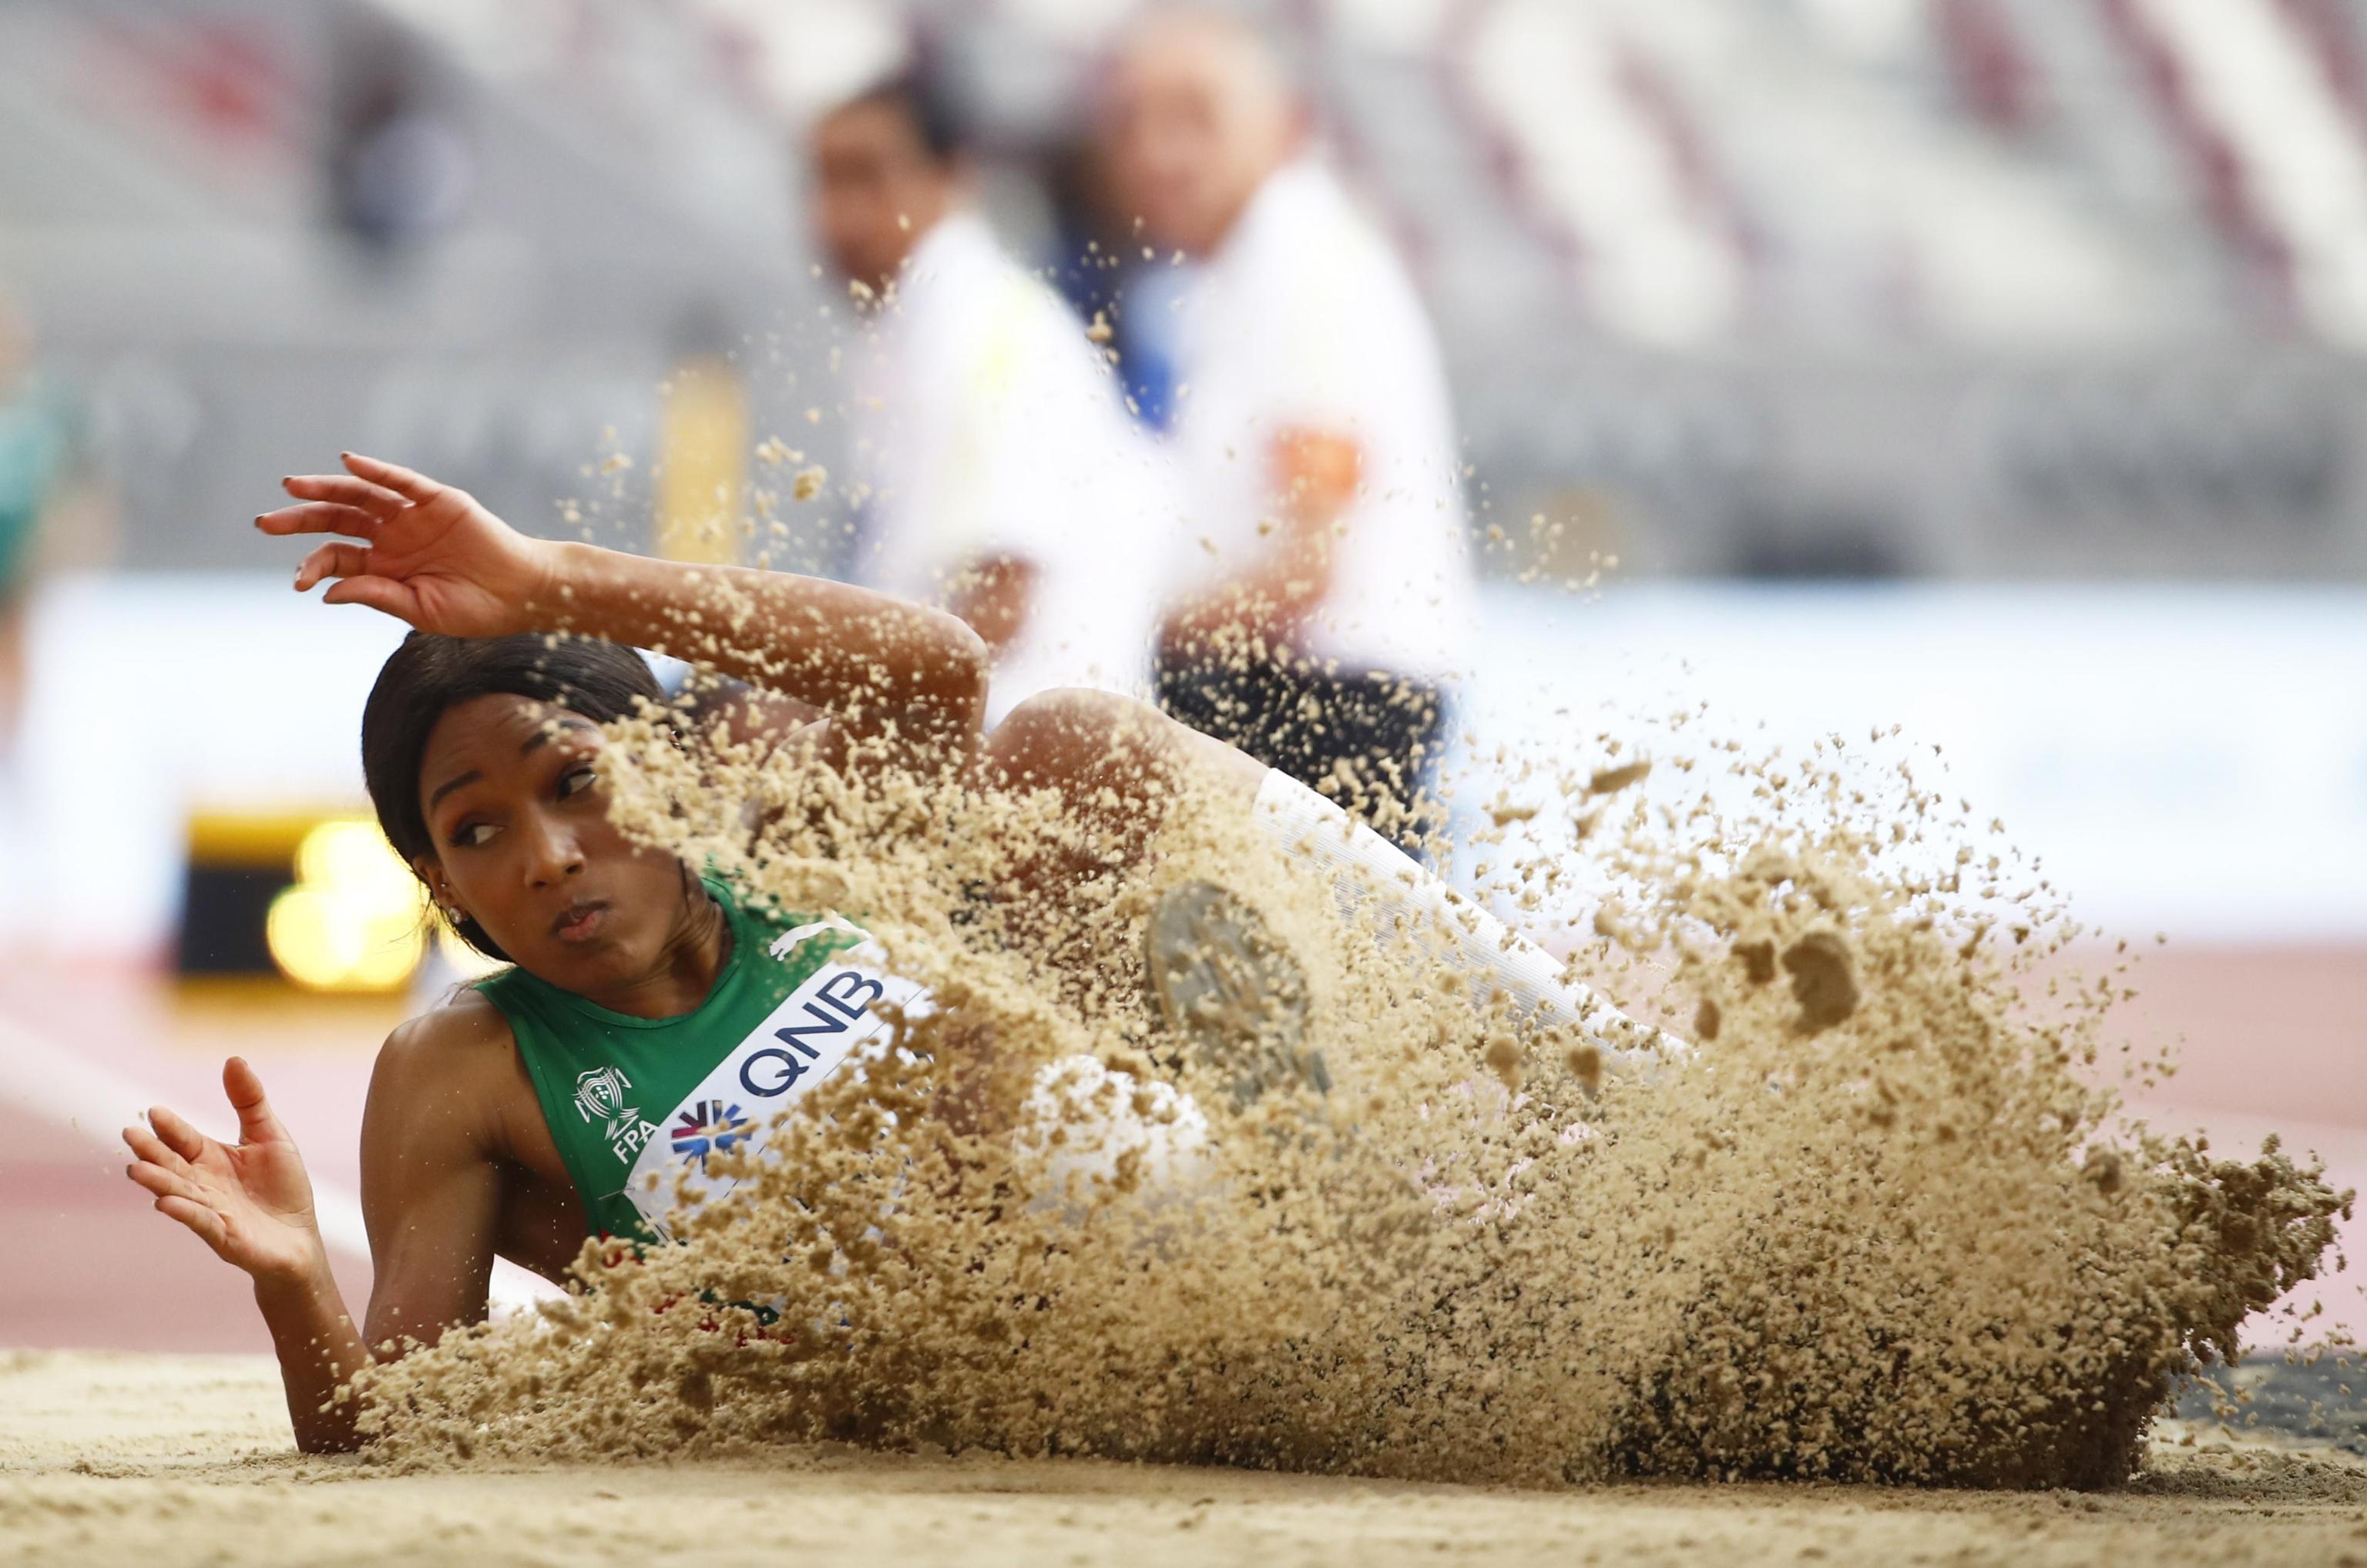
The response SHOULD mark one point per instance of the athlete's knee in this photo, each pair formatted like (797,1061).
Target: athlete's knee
(1077,710)
(1068,727)
(1073,704)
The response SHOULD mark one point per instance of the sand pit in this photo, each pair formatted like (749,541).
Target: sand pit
(107,1459)
(1839,1202)
(1875,1225)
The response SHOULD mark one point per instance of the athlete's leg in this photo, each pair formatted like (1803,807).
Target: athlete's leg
(1372,878)
(1113,756)
(1120,763)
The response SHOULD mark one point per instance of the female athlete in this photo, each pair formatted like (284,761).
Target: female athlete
(534,1107)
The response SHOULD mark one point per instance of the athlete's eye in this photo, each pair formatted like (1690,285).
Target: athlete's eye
(471,834)
(577,780)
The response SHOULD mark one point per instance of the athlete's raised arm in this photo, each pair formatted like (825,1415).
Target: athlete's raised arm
(429,555)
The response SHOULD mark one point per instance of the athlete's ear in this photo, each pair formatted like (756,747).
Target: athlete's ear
(430,873)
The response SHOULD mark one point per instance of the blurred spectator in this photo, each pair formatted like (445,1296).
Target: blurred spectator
(1004,479)
(33,453)
(46,516)
(1331,569)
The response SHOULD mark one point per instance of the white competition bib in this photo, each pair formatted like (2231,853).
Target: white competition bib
(844,1010)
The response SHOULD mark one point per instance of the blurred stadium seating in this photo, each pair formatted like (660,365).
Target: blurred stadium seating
(1986,288)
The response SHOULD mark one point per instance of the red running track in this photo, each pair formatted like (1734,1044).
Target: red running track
(2274,1039)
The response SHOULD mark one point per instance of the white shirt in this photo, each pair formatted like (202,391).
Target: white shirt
(1306,319)
(987,424)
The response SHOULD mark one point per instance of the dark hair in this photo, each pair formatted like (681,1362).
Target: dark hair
(918,97)
(430,674)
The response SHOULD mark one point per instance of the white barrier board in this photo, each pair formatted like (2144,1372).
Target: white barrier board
(2186,759)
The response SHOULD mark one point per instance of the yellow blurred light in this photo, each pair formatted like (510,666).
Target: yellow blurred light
(702,463)
(391,948)
(303,939)
(355,920)
(350,852)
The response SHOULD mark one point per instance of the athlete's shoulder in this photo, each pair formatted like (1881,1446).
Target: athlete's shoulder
(440,1081)
(463,1030)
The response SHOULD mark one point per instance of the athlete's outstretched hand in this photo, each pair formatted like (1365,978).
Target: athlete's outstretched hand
(252,1204)
(427,554)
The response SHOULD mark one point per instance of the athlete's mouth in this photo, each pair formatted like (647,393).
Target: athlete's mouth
(580,921)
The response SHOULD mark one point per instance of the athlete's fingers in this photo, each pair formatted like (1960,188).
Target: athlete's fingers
(256,1124)
(177,1135)
(319,518)
(347,489)
(153,1149)
(400,600)
(161,1182)
(197,1217)
(416,487)
(340,558)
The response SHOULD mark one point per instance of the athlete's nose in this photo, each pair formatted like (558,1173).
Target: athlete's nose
(551,852)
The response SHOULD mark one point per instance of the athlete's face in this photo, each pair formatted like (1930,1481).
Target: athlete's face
(518,813)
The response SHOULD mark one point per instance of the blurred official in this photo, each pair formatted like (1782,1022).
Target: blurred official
(1007,481)
(1330,576)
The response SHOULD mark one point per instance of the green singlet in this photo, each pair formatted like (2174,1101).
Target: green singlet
(637,1104)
